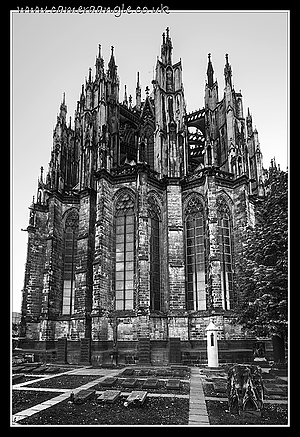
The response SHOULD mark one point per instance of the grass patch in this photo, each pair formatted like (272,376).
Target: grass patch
(23,399)
(273,414)
(155,411)
(64,381)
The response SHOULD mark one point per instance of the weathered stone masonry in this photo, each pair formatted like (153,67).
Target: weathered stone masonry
(145,205)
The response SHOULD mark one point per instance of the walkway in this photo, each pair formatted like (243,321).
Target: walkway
(198,412)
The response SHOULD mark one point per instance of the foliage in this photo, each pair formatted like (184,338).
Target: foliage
(262,272)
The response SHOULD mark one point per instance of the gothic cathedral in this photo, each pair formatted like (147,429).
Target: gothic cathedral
(141,216)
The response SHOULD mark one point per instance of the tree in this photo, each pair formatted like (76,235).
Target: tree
(262,270)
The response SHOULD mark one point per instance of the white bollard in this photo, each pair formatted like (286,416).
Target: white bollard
(212,345)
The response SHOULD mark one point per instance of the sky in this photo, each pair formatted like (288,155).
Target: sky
(51,54)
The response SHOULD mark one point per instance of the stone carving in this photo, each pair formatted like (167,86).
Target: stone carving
(194,205)
(245,389)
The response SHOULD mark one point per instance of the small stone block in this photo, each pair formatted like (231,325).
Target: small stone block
(127,372)
(137,397)
(83,395)
(52,370)
(173,384)
(162,372)
(150,383)
(220,387)
(41,369)
(109,396)
(108,382)
(143,372)
(129,382)
(179,373)
(273,390)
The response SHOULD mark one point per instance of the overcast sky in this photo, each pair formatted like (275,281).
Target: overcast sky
(51,54)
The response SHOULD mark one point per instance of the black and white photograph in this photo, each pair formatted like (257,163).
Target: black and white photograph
(149,200)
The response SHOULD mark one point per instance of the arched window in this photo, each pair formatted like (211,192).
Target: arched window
(69,262)
(154,251)
(195,255)
(225,246)
(124,252)
(149,135)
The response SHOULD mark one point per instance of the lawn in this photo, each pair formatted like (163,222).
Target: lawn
(155,411)
(273,414)
(64,381)
(23,399)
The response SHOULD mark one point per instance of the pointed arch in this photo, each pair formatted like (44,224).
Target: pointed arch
(124,249)
(225,240)
(154,229)
(70,235)
(195,252)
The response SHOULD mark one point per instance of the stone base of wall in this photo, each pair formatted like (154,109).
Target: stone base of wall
(188,328)
(193,352)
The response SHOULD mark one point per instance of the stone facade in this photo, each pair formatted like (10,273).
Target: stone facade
(137,225)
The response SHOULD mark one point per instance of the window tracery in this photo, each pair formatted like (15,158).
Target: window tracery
(225,246)
(69,261)
(195,252)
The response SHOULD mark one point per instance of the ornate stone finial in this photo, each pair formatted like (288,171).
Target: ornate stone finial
(112,50)
(209,55)
(226,57)
(167,32)
(147,91)
(42,171)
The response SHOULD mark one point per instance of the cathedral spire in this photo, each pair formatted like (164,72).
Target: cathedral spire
(63,109)
(125,101)
(227,72)
(166,48)
(138,92)
(99,62)
(112,68)
(210,72)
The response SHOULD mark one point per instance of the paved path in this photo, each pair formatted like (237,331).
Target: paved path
(198,412)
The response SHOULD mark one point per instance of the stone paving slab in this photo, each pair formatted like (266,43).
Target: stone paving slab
(198,413)
(130,382)
(109,396)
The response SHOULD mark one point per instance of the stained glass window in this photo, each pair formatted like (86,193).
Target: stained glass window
(154,262)
(225,245)
(69,262)
(124,247)
(195,256)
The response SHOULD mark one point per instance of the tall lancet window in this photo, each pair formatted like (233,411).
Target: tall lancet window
(225,245)
(124,252)
(195,255)
(154,251)
(69,262)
